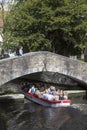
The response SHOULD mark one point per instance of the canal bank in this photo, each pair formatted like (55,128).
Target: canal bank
(12,96)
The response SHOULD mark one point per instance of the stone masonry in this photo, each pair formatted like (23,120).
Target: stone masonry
(42,61)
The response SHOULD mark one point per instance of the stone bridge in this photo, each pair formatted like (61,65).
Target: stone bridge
(42,61)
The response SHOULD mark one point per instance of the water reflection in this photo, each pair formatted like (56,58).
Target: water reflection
(26,115)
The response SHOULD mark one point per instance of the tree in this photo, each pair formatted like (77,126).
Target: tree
(2,17)
(69,26)
(57,26)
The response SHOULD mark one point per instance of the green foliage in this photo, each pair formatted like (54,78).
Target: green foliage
(58,26)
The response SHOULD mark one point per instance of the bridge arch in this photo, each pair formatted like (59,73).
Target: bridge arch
(34,62)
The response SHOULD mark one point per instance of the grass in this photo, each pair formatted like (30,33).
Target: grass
(81,59)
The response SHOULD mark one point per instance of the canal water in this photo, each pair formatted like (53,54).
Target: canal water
(26,115)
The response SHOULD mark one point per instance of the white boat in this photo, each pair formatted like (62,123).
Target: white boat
(45,102)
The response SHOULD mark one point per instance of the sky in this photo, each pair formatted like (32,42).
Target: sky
(6,2)
(3,0)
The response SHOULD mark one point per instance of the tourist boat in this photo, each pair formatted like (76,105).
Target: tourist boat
(45,102)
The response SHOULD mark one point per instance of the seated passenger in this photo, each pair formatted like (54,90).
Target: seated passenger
(32,89)
(48,96)
(61,94)
(65,96)
(56,97)
(38,93)
(52,90)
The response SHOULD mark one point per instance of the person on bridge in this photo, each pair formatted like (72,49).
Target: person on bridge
(21,51)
